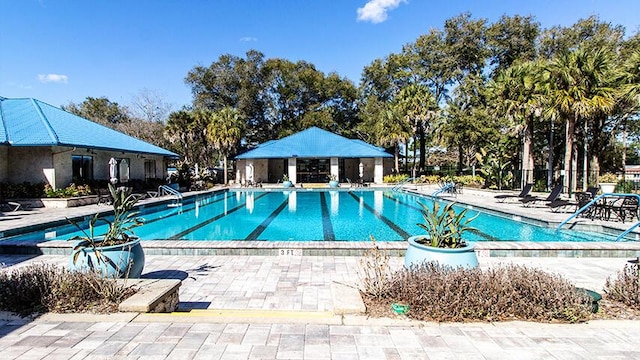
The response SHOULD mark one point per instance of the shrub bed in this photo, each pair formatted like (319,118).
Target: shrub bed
(625,287)
(47,288)
(506,293)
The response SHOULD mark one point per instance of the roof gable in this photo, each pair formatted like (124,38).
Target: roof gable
(314,143)
(30,122)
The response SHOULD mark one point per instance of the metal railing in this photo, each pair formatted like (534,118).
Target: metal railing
(595,200)
(167,190)
(402,183)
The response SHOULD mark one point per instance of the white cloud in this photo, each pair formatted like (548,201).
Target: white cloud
(56,78)
(248,39)
(376,10)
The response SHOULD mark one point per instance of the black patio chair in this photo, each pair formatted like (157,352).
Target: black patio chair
(624,208)
(523,194)
(532,200)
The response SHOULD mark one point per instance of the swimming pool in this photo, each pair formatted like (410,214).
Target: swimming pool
(310,215)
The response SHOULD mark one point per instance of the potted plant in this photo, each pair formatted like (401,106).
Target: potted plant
(333,181)
(116,253)
(443,242)
(608,182)
(286,182)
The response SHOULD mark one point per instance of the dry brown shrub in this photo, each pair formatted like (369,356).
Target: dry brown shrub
(505,293)
(625,287)
(47,288)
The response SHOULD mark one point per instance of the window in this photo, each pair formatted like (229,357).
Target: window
(81,168)
(149,169)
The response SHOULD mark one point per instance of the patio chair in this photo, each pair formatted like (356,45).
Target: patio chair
(523,194)
(104,196)
(553,195)
(9,205)
(624,208)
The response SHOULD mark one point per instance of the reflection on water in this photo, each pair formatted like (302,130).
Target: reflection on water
(293,201)
(378,200)
(250,202)
(335,202)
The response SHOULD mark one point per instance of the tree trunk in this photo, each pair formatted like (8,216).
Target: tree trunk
(460,157)
(226,177)
(423,146)
(585,155)
(527,154)
(397,156)
(568,148)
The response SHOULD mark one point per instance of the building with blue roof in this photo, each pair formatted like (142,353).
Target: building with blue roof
(42,143)
(311,156)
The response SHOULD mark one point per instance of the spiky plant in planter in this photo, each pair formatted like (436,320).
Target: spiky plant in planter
(117,252)
(443,241)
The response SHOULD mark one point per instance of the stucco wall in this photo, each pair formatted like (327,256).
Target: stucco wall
(53,165)
(28,164)
(4,161)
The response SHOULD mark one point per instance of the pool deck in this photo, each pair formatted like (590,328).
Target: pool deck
(280,305)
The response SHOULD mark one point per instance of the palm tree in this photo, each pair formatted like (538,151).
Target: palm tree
(417,105)
(515,95)
(224,131)
(392,130)
(629,99)
(577,91)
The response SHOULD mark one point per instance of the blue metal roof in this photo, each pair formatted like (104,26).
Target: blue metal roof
(30,122)
(314,143)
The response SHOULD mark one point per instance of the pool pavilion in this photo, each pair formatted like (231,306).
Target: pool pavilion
(312,156)
(40,143)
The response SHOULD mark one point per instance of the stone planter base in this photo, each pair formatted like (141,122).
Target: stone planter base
(69,202)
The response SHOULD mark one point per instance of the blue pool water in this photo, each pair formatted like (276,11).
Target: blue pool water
(311,216)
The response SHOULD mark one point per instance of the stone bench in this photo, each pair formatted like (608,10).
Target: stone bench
(153,296)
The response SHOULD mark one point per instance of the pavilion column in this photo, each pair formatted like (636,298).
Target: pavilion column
(378,171)
(335,169)
(291,170)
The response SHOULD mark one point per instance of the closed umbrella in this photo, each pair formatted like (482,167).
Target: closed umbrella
(112,170)
(361,170)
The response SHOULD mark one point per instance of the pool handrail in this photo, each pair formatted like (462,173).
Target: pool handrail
(593,201)
(402,183)
(164,189)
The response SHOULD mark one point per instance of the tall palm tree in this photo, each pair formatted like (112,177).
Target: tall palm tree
(576,91)
(417,105)
(392,130)
(225,129)
(515,95)
(629,99)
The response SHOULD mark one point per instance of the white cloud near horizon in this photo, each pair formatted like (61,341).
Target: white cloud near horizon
(376,10)
(248,39)
(55,78)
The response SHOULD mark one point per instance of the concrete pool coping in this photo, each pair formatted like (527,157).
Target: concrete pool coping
(475,198)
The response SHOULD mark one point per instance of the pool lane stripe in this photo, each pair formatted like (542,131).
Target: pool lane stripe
(263,226)
(403,234)
(179,235)
(327,226)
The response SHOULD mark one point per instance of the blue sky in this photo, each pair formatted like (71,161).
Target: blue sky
(65,50)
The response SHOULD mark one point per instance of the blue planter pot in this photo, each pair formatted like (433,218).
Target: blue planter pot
(117,261)
(287,184)
(333,184)
(417,254)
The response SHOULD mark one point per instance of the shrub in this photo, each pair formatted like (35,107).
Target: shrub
(43,288)
(22,190)
(625,288)
(506,293)
(374,273)
(395,178)
(72,190)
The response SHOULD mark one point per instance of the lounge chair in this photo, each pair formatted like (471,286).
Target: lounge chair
(581,199)
(10,205)
(523,194)
(553,195)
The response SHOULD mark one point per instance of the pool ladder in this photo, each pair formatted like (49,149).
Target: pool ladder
(167,190)
(399,185)
(595,200)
